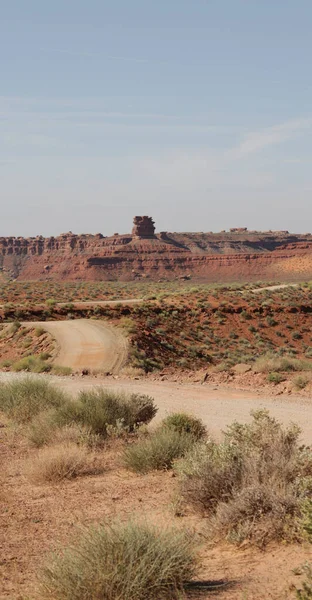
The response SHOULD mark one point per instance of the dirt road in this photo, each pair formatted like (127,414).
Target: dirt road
(216,405)
(87,344)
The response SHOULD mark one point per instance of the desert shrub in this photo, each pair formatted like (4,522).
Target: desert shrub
(274,377)
(50,302)
(253,484)
(305,592)
(158,451)
(208,473)
(33,364)
(44,356)
(296,335)
(300,382)
(123,561)
(24,398)
(185,423)
(60,370)
(259,513)
(273,362)
(99,408)
(6,363)
(55,463)
(270,321)
(15,327)
(39,331)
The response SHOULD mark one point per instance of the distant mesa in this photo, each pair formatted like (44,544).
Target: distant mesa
(235,255)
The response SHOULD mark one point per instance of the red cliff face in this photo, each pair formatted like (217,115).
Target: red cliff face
(226,256)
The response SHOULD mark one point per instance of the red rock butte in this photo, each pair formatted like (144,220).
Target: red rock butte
(235,255)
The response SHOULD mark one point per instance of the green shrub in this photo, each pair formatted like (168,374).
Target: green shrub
(100,408)
(158,451)
(184,423)
(124,561)
(274,377)
(22,399)
(32,364)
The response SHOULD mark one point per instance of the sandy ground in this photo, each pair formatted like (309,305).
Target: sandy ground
(87,344)
(218,406)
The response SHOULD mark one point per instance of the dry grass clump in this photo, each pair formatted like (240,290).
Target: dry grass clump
(124,561)
(44,430)
(253,485)
(55,463)
(274,363)
(22,399)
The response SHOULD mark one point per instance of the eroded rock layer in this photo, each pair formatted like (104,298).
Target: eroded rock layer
(227,256)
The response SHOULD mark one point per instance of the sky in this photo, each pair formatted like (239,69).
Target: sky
(195,112)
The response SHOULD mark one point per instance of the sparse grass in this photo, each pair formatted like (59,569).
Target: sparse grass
(158,451)
(121,561)
(55,463)
(24,398)
(275,363)
(60,370)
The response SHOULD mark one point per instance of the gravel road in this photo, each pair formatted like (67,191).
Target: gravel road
(87,344)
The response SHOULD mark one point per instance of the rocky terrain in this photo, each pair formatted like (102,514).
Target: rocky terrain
(236,255)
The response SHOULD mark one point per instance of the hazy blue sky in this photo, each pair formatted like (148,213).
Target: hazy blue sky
(197,112)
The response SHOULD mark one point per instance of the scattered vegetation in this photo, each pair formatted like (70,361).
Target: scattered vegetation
(253,486)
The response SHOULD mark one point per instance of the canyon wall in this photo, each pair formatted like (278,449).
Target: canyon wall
(226,256)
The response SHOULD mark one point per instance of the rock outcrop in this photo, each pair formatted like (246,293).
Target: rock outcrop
(226,256)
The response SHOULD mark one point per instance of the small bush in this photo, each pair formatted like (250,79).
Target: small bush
(55,463)
(39,331)
(300,382)
(184,423)
(158,451)
(275,377)
(32,364)
(22,399)
(124,561)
